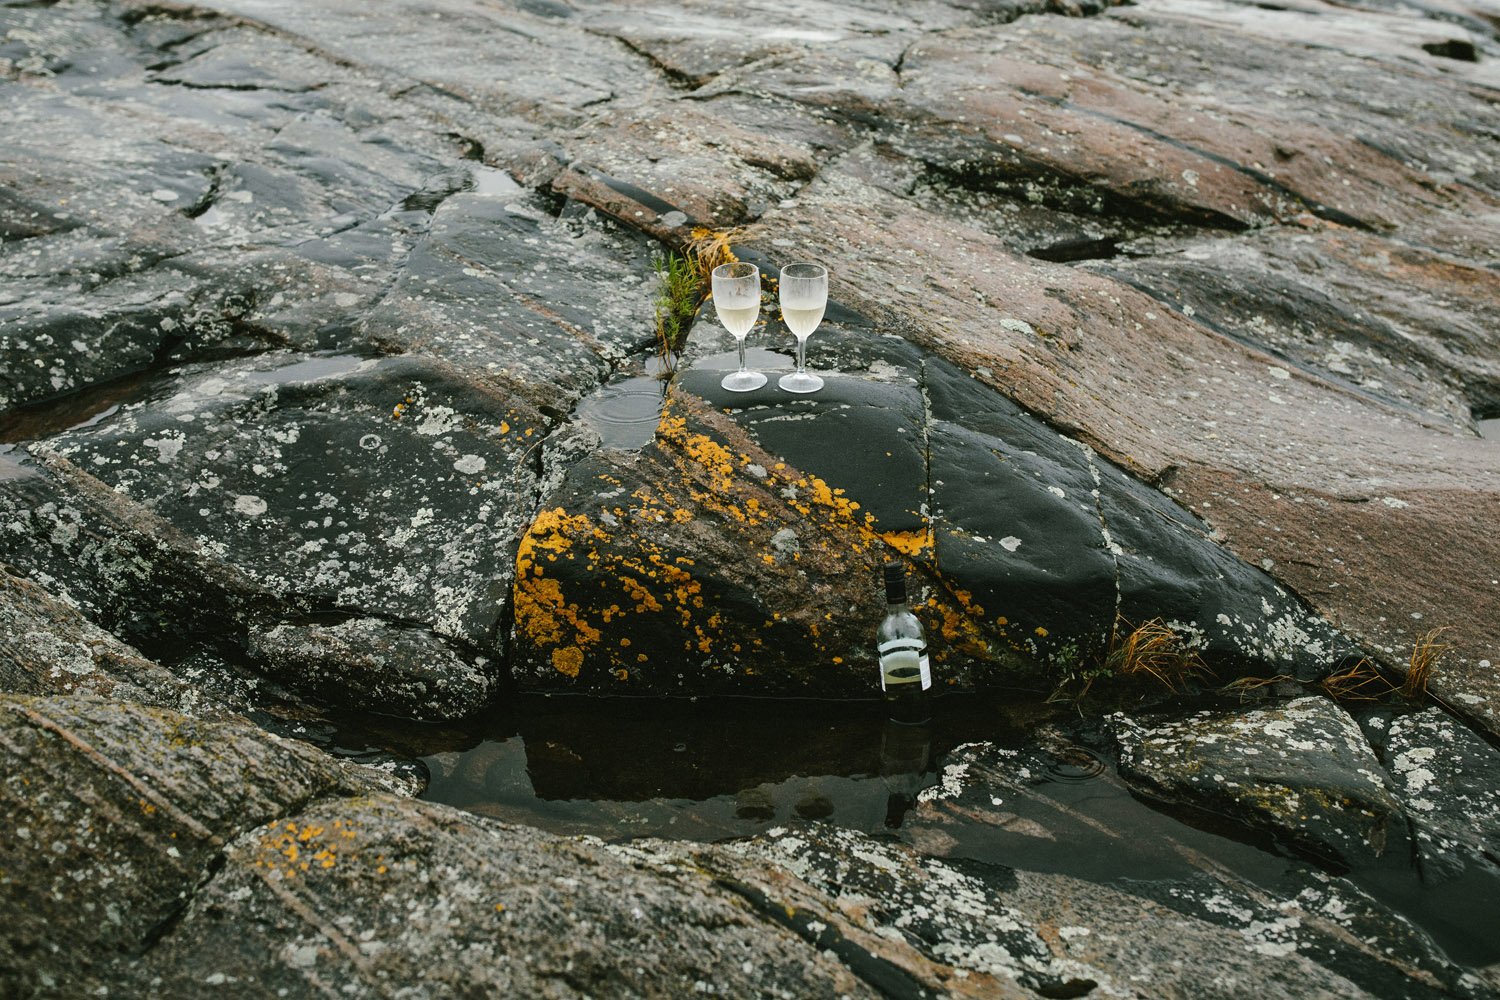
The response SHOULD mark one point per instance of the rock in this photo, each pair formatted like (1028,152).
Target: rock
(501,284)
(1227,265)
(655,571)
(1038,553)
(371,665)
(1448,781)
(391,487)
(1301,770)
(52,649)
(993,931)
(512,911)
(1052,802)
(122,565)
(117,812)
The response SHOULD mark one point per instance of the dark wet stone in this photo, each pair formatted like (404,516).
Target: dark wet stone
(126,568)
(1044,550)
(1448,780)
(372,665)
(672,569)
(1053,801)
(52,649)
(389,487)
(115,814)
(1301,771)
(388,884)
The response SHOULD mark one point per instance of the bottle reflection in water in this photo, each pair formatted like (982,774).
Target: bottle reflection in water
(905,675)
(904,750)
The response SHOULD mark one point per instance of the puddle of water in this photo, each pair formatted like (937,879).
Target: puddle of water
(14,464)
(490,180)
(715,769)
(79,409)
(310,369)
(1489,428)
(625,411)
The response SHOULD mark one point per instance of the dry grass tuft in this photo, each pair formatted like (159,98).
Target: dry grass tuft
(1149,652)
(709,248)
(1360,682)
(1244,685)
(1425,654)
(1153,650)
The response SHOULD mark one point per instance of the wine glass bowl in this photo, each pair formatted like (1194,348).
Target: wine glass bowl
(736,290)
(804,297)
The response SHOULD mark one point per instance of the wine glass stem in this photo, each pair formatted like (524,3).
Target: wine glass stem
(740,343)
(801,355)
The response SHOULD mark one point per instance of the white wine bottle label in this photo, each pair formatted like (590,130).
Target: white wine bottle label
(904,661)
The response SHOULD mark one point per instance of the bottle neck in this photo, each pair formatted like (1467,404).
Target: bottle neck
(893,607)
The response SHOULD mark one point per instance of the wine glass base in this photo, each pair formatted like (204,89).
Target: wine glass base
(800,382)
(743,381)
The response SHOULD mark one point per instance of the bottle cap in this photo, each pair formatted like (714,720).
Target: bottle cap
(895,583)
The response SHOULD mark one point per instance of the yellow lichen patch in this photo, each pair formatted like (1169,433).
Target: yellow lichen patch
(910,543)
(543,613)
(294,850)
(567,660)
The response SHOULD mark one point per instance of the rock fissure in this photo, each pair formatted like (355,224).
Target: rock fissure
(889,979)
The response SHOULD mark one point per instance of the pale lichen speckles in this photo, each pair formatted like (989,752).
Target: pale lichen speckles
(249,505)
(1302,768)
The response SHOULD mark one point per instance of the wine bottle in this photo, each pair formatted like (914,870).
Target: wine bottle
(905,675)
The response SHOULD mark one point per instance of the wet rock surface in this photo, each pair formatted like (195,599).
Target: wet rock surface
(1232,304)
(1055,800)
(52,649)
(1301,770)
(1445,777)
(1178,311)
(388,485)
(1001,932)
(369,664)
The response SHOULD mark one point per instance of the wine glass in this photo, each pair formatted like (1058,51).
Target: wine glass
(804,295)
(737,300)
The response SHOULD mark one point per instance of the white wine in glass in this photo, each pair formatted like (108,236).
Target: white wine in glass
(804,296)
(736,288)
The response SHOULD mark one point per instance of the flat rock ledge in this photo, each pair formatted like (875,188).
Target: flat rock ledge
(1301,770)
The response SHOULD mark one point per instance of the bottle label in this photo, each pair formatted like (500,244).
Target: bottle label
(904,661)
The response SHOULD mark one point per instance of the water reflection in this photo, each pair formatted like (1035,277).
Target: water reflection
(700,771)
(905,753)
(1014,784)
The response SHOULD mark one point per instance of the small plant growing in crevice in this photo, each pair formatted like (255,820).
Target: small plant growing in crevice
(1153,650)
(1245,686)
(709,248)
(679,291)
(1425,654)
(1359,682)
(682,283)
(1150,651)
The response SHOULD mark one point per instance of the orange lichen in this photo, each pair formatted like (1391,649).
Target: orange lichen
(567,660)
(699,483)
(911,543)
(293,850)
